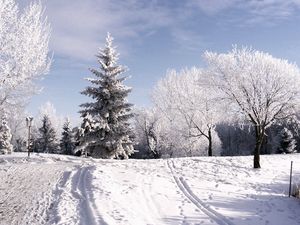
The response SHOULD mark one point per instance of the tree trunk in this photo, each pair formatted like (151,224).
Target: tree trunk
(209,143)
(256,156)
(259,135)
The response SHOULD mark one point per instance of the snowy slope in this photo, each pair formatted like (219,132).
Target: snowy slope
(52,189)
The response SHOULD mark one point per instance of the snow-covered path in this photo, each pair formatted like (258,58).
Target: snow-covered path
(49,189)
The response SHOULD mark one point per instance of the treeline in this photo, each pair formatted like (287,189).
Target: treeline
(154,142)
(157,140)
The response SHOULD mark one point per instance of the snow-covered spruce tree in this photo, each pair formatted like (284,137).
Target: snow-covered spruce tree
(111,135)
(47,141)
(67,141)
(287,143)
(5,138)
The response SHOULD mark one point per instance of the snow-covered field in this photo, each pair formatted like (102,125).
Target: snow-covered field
(54,189)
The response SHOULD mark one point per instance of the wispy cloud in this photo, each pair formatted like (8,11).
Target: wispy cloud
(212,7)
(252,12)
(79,27)
(189,40)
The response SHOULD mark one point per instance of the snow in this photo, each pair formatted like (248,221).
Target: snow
(56,189)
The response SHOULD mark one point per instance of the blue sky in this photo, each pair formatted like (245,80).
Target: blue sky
(155,35)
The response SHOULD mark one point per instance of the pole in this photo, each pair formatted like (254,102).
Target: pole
(28,146)
(28,123)
(291,172)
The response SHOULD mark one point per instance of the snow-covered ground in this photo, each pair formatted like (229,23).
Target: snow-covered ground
(54,189)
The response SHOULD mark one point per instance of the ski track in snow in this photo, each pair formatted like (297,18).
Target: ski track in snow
(75,203)
(204,207)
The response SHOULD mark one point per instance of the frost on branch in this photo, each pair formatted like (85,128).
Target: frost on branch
(191,110)
(110,134)
(258,87)
(24,38)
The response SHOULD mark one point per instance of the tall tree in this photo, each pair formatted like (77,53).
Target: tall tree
(5,138)
(24,52)
(260,88)
(111,136)
(47,141)
(67,141)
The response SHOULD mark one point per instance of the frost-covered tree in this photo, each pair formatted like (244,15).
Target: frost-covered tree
(46,141)
(67,141)
(24,52)
(260,88)
(5,138)
(194,109)
(148,133)
(111,136)
(286,141)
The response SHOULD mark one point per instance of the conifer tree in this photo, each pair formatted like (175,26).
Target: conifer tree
(67,142)
(111,134)
(5,138)
(287,143)
(47,141)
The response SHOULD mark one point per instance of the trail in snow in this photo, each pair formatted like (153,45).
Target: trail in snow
(75,203)
(204,207)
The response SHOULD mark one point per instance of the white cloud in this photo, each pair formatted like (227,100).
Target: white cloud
(79,27)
